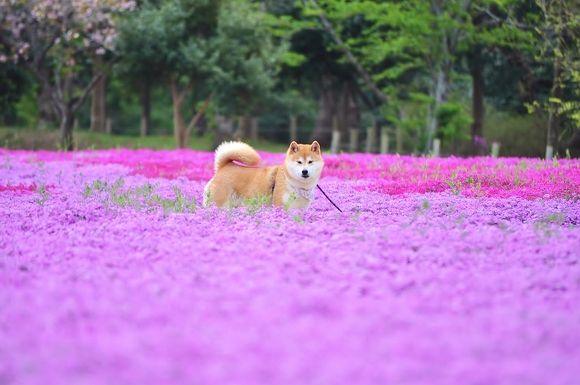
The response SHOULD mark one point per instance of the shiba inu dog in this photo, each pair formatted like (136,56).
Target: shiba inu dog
(238,178)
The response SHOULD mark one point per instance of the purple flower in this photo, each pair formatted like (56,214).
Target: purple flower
(446,270)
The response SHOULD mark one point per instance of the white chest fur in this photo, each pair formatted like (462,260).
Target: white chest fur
(297,198)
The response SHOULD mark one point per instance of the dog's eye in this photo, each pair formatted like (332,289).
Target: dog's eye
(309,162)
(299,162)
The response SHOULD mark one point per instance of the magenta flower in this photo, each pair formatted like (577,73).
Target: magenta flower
(439,271)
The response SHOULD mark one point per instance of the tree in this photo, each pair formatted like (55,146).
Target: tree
(98,104)
(13,84)
(314,67)
(421,36)
(423,39)
(142,44)
(220,48)
(52,40)
(247,62)
(561,32)
(554,28)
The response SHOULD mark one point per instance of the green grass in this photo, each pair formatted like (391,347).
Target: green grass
(519,135)
(143,198)
(28,139)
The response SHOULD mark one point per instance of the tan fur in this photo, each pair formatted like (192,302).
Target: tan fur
(282,185)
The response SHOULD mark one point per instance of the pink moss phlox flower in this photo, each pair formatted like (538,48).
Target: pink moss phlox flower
(449,271)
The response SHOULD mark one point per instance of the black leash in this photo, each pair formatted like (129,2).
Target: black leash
(330,200)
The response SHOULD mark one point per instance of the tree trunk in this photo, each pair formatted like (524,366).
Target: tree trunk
(178,122)
(244,127)
(145,109)
(326,111)
(98,112)
(527,82)
(196,118)
(64,104)
(46,112)
(554,108)
(478,107)
(66,127)
(440,93)
(178,125)
(224,129)
(348,109)
(67,112)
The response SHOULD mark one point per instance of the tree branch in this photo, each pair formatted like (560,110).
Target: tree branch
(57,82)
(52,40)
(177,96)
(185,91)
(358,67)
(173,86)
(512,23)
(79,101)
(48,47)
(198,116)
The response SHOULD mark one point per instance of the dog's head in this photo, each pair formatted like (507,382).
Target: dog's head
(304,162)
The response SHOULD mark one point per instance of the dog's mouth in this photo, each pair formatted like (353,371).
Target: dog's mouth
(305,176)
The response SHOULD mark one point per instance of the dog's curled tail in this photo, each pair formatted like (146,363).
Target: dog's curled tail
(235,151)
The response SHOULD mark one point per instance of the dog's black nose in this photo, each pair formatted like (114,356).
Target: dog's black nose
(304,173)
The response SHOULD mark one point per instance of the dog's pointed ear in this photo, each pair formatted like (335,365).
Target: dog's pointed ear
(293,147)
(315,147)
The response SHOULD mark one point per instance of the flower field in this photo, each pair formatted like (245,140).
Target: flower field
(438,271)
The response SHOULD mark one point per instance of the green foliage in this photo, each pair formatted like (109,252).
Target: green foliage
(298,219)
(555,40)
(246,56)
(452,120)
(255,204)
(140,198)
(268,59)
(519,135)
(290,200)
(43,194)
(12,138)
(13,84)
(221,46)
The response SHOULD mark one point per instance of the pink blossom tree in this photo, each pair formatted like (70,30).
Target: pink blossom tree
(52,39)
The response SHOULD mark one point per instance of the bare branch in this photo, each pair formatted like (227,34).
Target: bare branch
(57,82)
(173,85)
(50,44)
(185,91)
(85,92)
(79,102)
(198,116)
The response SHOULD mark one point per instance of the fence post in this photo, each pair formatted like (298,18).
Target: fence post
(142,127)
(335,142)
(254,129)
(399,133)
(109,126)
(384,140)
(293,129)
(436,148)
(353,145)
(371,137)
(549,152)
(399,140)
(495,149)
